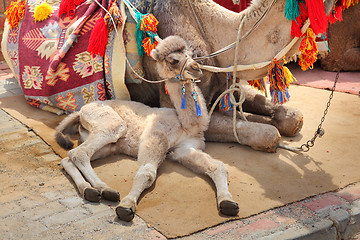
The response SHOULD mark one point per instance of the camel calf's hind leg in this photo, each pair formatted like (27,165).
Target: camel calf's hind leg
(94,116)
(198,161)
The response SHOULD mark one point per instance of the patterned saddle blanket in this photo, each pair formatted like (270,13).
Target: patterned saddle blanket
(51,62)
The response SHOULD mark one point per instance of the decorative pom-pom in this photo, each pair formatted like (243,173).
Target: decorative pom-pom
(309,50)
(15,12)
(42,12)
(98,38)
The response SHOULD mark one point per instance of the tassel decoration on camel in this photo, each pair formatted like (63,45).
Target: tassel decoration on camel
(99,35)
(309,50)
(146,31)
(279,78)
(225,103)
(42,12)
(292,9)
(14,13)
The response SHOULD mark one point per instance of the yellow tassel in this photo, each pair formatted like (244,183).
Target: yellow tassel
(288,76)
(309,50)
(42,12)
(15,12)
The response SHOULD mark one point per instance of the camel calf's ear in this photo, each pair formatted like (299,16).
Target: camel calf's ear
(155,54)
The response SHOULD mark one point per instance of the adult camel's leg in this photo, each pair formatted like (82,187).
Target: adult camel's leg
(152,152)
(200,162)
(259,136)
(286,119)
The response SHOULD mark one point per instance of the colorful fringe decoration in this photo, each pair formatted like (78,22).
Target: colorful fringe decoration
(317,16)
(314,10)
(42,12)
(99,35)
(183,101)
(225,103)
(309,50)
(340,6)
(257,84)
(198,109)
(146,28)
(279,78)
(299,21)
(115,15)
(148,45)
(98,38)
(68,7)
(292,9)
(14,13)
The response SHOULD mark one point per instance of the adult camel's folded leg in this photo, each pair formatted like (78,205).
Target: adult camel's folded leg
(286,119)
(259,136)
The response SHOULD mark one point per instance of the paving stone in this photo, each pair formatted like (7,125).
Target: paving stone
(350,193)
(324,202)
(65,217)
(43,211)
(71,202)
(9,208)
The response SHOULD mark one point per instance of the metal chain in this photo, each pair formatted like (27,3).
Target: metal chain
(320,131)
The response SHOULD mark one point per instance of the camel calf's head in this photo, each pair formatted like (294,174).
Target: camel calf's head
(173,57)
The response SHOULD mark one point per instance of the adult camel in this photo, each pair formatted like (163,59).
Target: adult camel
(207,27)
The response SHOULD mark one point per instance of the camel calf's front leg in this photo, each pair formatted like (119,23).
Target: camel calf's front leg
(200,162)
(152,151)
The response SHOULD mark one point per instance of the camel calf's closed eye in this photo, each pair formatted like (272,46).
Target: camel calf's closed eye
(150,134)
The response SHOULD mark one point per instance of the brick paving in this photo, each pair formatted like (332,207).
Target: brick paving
(40,202)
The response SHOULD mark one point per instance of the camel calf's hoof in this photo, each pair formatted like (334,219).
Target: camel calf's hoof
(125,214)
(287,120)
(92,195)
(110,195)
(229,208)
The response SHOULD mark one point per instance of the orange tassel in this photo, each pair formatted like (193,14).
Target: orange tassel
(68,7)
(309,50)
(98,38)
(148,46)
(15,12)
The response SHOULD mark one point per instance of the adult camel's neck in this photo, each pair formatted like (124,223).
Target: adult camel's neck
(188,116)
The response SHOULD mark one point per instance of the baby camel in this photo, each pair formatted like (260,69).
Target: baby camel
(150,134)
